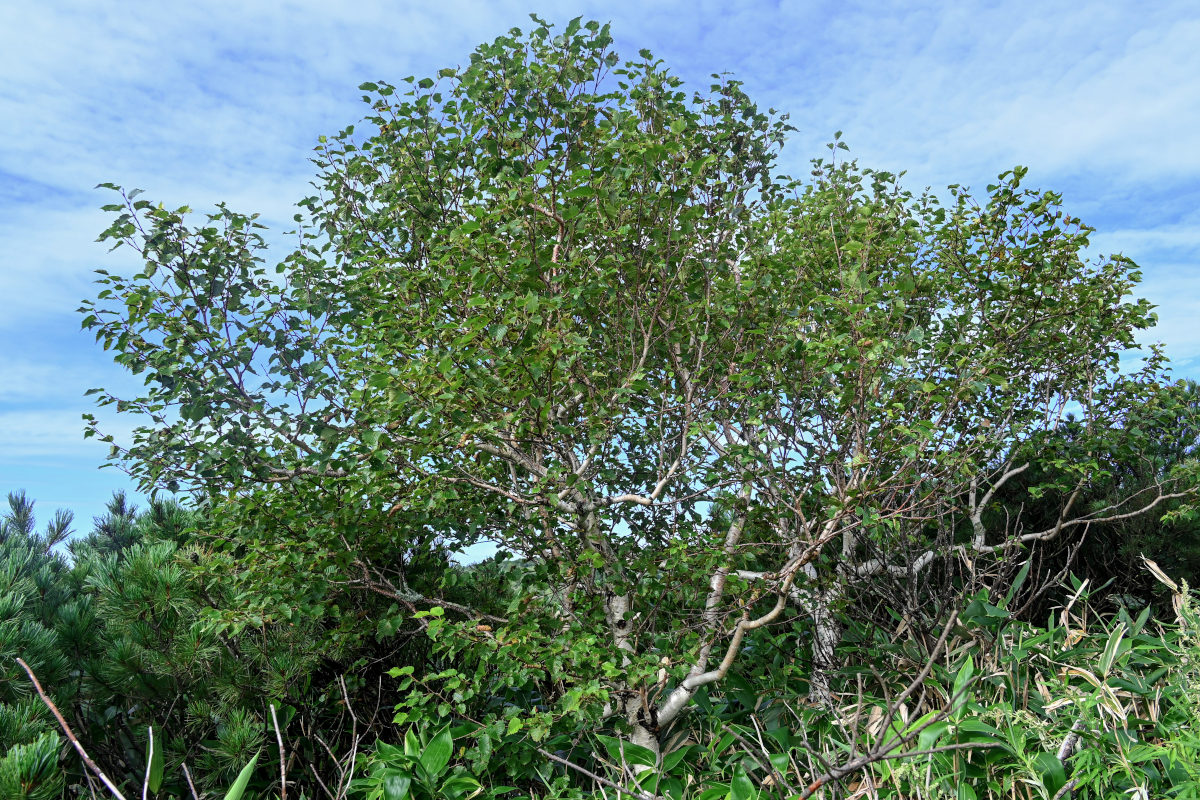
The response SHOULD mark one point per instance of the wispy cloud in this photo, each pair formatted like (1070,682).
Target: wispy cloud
(198,103)
(51,433)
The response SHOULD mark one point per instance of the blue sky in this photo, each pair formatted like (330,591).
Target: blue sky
(221,101)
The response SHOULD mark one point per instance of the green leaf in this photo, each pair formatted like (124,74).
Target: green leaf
(928,738)
(243,780)
(1112,648)
(716,791)
(1050,771)
(671,759)
(960,695)
(1017,583)
(457,786)
(396,785)
(741,788)
(436,754)
(627,752)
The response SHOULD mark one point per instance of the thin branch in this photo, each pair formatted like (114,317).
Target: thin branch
(599,779)
(282,756)
(683,693)
(886,748)
(70,735)
(188,777)
(321,783)
(1071,742)
(149,763)
(562,229)
(1067,788)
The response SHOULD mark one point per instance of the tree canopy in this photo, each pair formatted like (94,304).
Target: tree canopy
(552,300)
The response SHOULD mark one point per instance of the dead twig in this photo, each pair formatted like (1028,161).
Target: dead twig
(112,787)
(887,748)
(598,778)
(191,786)
(282,756)
(149,762)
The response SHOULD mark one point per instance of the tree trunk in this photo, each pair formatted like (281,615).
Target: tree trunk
(641,734)
(827,635)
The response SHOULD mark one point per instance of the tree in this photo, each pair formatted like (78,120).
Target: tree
(551,301)
(114,531)
(1164,432)
(43,621)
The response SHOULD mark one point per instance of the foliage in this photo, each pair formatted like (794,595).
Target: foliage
(31,771)
(1166,445)
(48,625)
(551,301)
(128,636)
(722,425)
(420,770)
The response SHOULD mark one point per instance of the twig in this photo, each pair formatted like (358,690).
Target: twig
(149,763)
(594,776)
(1067,787)
(282,756)
(346,697)
(321,782)
(349,775)
(188,777)
(747,748)
(1071,743)
(920,679)
(779,776)
(70,735)
(945,748)
(886,748)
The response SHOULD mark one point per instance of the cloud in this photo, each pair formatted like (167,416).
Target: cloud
(27,381)
(957,92)
(52,433)
(225,100)
(1180,238)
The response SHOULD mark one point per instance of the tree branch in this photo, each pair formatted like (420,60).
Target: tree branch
(70,735)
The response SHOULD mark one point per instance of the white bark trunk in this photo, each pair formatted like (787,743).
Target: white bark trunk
(643,736)
(827,635)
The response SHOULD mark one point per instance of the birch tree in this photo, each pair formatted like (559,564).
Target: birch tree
(552,300)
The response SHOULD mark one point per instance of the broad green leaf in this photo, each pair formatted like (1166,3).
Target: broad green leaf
(741,788)
(154,769)
(622,752)
(458,786)
(671,759)
(242,781)
(396,785)
(412,745)
(1050,772)
(436,754)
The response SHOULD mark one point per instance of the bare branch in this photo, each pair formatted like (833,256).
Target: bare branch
(598,778)
(70,735)
(886,748)
(282,756)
